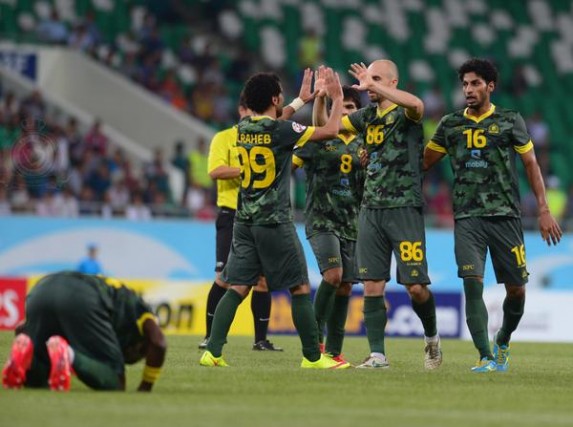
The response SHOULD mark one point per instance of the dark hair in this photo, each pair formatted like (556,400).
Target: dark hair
(259,91)
(242,101)
(351,94)
(482,67)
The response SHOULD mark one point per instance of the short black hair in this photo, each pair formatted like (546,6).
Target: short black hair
(260,90)
(242,101)
(482,67)
(351,94)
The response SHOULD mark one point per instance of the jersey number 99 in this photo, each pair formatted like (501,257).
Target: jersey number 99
(258,160)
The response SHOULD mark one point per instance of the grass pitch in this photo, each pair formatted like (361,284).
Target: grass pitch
(269,389)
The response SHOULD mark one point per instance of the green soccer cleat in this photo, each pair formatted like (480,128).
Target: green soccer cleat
(211,361)
(374,362)
(501,355)
(324,362)
(485,365)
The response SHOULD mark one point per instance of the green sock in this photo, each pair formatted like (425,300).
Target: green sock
(95,374)
(426,311)
(336,324)
(224,315)
(323,303)
(375,321)
(305,324)
(512,313)
(476,316)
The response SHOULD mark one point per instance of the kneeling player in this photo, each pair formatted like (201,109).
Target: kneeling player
(90,324)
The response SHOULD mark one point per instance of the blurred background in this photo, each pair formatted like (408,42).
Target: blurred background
(107,109)
(193,56)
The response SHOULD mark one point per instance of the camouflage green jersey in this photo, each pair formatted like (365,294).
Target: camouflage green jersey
(265,147)
(395,144)
(482,155)
(335,182)
(127,310)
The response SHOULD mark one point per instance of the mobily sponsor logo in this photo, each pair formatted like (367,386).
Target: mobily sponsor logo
(476,161)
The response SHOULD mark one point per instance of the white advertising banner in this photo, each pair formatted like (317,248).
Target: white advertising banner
(548,316)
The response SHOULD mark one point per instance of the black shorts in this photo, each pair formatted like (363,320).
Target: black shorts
(224,227)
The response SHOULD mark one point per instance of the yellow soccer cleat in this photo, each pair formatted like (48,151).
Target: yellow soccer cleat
(325,362)
(207,359)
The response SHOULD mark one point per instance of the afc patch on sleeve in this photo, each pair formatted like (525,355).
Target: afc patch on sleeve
(298,128)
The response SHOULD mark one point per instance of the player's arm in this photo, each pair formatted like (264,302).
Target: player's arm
(305,95)
(333,90)
(319,112)
(436,148)
(156,347)
(225,172)
(548,226)
(431,157)
(218,165)
(413,105)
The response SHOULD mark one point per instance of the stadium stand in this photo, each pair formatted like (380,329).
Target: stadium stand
(195,55)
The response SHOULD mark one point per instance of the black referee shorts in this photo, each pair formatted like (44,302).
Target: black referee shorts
(224,227)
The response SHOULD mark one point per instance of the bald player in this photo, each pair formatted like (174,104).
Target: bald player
(390,219)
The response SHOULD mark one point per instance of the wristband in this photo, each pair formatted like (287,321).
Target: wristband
(296,104)
(150,374)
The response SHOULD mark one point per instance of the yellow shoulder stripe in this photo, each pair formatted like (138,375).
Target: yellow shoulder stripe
(305,136)
(521,149)
(433,146)
(142,320)
(348,125)
(297,161)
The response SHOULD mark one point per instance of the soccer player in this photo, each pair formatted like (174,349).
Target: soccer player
(482,141)
(335,182)
(89,323)
(390,218)
(224,167)
(264,237)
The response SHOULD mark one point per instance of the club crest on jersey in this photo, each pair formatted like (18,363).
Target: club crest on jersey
(298,128)
(329,146)
(493,129)
(389,119)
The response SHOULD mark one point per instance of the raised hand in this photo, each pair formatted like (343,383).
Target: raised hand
(360,73)
(332,84)
(319,82)
(549,228)
(306,93)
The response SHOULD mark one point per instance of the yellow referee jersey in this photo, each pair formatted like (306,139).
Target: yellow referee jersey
(222,152)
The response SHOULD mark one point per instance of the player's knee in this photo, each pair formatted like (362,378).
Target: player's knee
(515,292)
(374,288)
(418,292)
(300,289)
(333,276)
(261,285)
(345,289)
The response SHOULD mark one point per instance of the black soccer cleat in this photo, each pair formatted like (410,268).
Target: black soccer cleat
(265,345)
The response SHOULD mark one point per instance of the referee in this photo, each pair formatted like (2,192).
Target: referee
(224,167)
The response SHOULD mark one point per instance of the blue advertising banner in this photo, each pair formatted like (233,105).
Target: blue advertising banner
(402,320)
(23,63)
(186,250)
